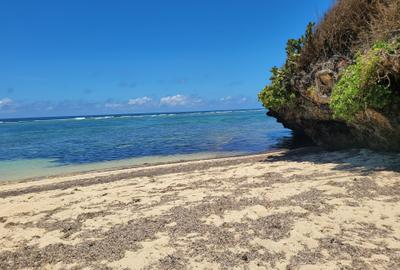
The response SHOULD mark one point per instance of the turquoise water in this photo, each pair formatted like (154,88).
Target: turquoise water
(43,146)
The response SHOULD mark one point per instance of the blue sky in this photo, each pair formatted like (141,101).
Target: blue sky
(71,57)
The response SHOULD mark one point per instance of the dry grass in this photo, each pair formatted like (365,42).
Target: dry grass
(386,23)
(350,26)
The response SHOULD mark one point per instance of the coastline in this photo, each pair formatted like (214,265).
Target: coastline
(116,165)
(295,209)
(162,167)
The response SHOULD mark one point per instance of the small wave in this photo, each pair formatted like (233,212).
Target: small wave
(103,117)
(163,115)
(219,112)
(13,122)
(224,112)
(132,116)
(195,113)
(79,118)
(42,120)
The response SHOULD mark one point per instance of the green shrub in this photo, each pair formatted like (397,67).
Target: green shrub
(279,92)
(361,85)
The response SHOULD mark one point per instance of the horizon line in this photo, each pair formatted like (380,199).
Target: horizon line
(122,114)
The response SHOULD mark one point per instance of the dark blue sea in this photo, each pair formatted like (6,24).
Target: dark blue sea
(44,146)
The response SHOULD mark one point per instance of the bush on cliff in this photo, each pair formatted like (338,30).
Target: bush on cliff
(364,84)
(350,26)
(279,93)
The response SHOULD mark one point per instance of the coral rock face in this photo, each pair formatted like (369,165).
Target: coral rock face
(324,80)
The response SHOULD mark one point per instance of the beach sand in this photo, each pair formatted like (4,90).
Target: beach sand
(299,209)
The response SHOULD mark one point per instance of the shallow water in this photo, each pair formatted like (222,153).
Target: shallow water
(47,146)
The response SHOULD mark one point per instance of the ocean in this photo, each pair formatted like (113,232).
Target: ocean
(39,147)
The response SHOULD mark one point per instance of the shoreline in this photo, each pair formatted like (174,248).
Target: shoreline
(298,209)
(156,168)
(169,160)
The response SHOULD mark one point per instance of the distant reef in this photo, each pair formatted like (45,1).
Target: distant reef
(340,84)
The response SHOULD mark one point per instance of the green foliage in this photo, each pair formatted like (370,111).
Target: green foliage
(388,47)
(361,85)
(279,92)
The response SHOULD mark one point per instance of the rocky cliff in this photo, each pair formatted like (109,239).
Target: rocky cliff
(340,84)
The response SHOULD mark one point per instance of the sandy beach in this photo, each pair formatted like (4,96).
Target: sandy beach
(299,209)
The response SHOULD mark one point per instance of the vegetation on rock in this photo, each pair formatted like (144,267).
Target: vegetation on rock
(341,72)
(364,84)
(278,93)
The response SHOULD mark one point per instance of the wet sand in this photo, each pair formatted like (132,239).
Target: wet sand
(301,209)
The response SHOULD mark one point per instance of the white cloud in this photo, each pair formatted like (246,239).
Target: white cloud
(5,102)
(177,100)
(197,100)
(139,101)
(231,100)
(112,105)
(227,98)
